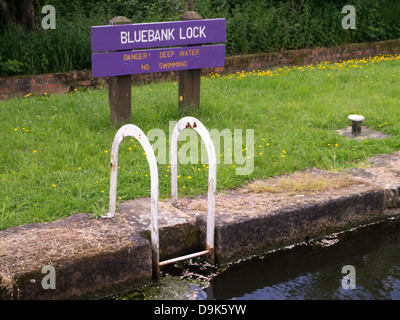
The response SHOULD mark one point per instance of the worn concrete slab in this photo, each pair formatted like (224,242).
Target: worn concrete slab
(249,223)
(90,254)
(106,255)
(177,230)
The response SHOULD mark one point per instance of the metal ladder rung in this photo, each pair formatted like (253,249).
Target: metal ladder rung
(189,256)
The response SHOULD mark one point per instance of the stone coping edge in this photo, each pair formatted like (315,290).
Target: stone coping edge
(130,266)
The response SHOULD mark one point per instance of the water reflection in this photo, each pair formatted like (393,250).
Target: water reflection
(314,271)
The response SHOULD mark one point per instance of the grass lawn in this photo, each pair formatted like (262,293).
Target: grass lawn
(55,150)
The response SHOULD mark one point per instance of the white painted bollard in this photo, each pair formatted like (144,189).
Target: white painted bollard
(135,132)
(193,123)
(356,121)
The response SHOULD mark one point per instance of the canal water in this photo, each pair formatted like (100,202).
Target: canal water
(313,270)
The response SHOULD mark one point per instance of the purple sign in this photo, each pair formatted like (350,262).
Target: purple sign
(119,63)
(119,40)
(160,34)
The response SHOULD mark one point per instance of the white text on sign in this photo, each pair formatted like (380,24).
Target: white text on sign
(162,35)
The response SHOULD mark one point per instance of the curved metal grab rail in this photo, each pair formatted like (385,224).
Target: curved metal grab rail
(135,132)
(193,123)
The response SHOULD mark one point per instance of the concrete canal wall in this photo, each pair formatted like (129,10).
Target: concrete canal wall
(98,256)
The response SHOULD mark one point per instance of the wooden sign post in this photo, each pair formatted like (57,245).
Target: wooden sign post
(189,80)
(115,52)
(120,90)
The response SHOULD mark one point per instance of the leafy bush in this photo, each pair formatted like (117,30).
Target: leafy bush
(252,26)
(10,66)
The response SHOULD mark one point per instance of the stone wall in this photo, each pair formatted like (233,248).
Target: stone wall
(19,86)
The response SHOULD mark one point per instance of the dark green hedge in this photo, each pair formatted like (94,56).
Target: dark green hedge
(252,26)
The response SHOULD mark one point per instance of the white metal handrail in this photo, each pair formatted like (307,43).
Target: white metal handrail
(135,132)
(193,123)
